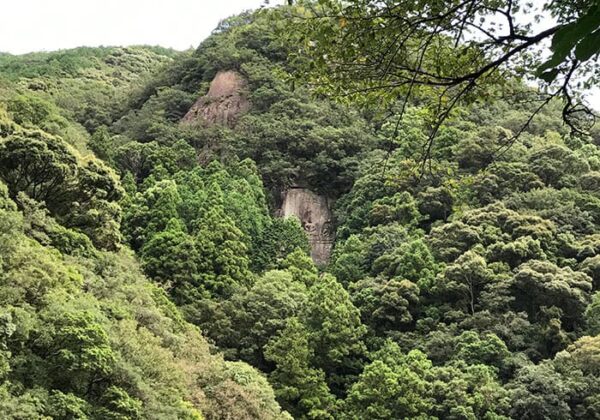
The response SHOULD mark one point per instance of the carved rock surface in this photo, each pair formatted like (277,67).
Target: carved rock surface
(314,213)
(224,102)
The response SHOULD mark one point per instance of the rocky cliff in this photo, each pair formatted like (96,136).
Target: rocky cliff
(314,212)
(224,102)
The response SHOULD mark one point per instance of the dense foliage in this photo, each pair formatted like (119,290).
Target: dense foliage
(153,279)
(85,334)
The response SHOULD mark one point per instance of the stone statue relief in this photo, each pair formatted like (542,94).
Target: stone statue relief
(315,216)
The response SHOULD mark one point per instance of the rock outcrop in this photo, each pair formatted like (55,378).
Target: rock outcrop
(223,104)
(314,212)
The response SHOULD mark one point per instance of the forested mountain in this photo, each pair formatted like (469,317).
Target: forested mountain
(146,271)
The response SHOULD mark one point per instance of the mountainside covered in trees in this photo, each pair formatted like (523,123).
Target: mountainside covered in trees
(145,272)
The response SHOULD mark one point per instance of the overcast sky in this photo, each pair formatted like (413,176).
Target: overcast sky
(46,25)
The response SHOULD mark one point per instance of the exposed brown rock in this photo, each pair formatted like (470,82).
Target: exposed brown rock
(223,104)
(314,213)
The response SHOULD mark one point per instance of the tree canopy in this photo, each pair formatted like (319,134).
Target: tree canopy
(448,53)
(146,271)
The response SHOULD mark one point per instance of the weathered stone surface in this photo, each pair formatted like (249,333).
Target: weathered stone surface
(223,104)
(314,213)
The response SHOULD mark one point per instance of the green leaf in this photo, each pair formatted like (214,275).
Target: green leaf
(565,36)
(549,76)
(579,33)
(588,46)
(554,61)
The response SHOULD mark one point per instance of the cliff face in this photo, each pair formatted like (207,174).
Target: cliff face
(223,103)
(314,213)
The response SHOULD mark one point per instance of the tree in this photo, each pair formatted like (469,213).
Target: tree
(100,143)
(241,393)
(117,404)
(444,53)
(280,238)
(462,391)
(78,351)
(243,199)
(255,316)
(579,364)
(149,212)
(451,240)
(334,332)
(300,388)
(30,110)
(400,208)
(171,259)
(558,166)
(466,279)
(7,329)
(139,159)
(502,178)
(302,268)
(394,385)
(223,261)
(411,261)
(485,349)
(435,203)
(348,262)
(591,267)
(540,283)
(96,211)
(61,405)
(539,391)
(565,208)
(274,299)
(386,306)
(592,315)
(79,193)
(43,167)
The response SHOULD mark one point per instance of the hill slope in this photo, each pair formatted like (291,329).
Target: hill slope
(467,287)
(85,333)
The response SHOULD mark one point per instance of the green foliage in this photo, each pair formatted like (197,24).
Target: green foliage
(466,280)
(310,143)
(592,315)
(463,287)
(80,193)
(98,351)
(397,385)
(386,305)
(223,260)
(412,261)
(528,402)
(394,385)
(547,285)
(580,36)
(469,392)
(171,259)
(348,260)
(259,314)
(334,332)
(150,212)
(301,388)
(279,239)
(301,267)
(90,85)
